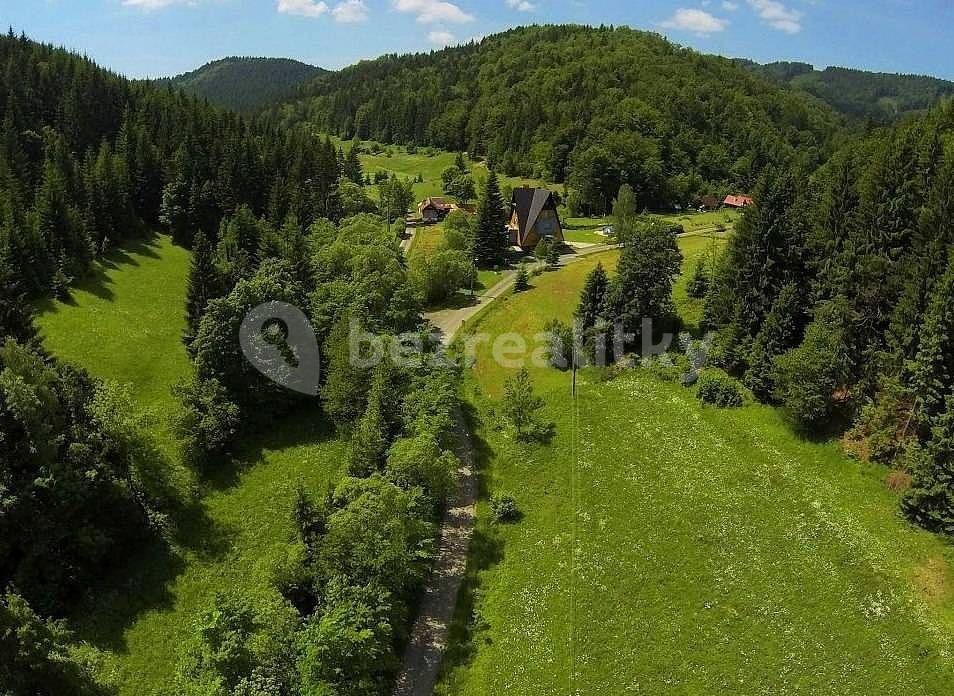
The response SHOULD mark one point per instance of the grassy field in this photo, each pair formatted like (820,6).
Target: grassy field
(429,164)
(125,324)
(671,548)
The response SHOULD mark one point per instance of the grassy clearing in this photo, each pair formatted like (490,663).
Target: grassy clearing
(125,324)
(427,240)
(429,164)
(694,247)
(694,222)
(668,547)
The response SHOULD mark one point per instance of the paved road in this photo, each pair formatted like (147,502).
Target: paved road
(422,659)
(450,321)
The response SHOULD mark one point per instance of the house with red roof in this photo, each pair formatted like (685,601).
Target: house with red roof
(737,201)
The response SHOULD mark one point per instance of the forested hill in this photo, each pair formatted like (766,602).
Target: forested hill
(592,106)
(880,97)
(88,159)
(246,84)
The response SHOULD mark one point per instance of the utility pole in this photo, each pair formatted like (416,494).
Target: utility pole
(573,358)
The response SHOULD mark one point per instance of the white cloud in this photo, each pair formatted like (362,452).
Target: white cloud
(778,16)
(350,12)
(730,6)
(302,8)
(441,37)
(431,11)
(521,5)
(156,4)
(697,21)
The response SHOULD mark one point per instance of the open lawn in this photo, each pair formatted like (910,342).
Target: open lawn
(427,240)
(670,548)
(429,163)
(125,324)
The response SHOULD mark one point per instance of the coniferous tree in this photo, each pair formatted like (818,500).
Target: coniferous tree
(642,288)
(522,282)
(930,500)
(933,376)
(369,443)
(593,299)
(490,241)
(780,333)
(351,167)
(204,284)
(16,315)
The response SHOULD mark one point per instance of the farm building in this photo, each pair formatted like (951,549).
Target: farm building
(708,202)
(738,201)
(435,209)
(533,217)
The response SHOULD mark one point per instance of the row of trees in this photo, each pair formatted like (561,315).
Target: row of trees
(834,298)
(365,547)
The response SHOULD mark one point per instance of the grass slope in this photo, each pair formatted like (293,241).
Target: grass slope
(125,324)
(429,163)
(668,547)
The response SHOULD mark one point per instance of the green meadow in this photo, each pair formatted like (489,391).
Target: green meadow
(125,324)
(428,163)
(670,547)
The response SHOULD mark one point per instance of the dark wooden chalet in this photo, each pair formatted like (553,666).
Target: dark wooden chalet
(533,217)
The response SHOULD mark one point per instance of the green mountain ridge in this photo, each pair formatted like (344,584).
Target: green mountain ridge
(880,97)
(593,107)
(246,84)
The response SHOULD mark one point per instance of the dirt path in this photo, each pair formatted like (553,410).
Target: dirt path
(422,660)
(450,321)
(408,239)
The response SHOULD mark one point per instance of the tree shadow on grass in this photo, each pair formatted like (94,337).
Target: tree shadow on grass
(139,584)
(96,281)
(303,425)
(140,581)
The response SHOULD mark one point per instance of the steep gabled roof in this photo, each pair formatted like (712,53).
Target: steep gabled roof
(528,204)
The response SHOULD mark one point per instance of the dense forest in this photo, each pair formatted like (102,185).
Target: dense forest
(245,84)
(876,97)
(592,107)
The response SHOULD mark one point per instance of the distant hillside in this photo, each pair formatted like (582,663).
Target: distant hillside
(882,97)
(246,84)
(595,107)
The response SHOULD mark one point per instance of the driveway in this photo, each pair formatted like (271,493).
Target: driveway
(450,321)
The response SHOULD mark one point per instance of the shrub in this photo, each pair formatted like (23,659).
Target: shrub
(699,283)
(503,507)
(719,389)
(520,405)
(808,378)
(559,344)
(522,282)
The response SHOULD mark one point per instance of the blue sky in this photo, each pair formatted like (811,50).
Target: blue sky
(160,37)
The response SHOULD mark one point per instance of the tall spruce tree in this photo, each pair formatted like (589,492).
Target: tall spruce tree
(16,315)
(593,299)
(933,373)
(491,239)
(204,284)
(781,332)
